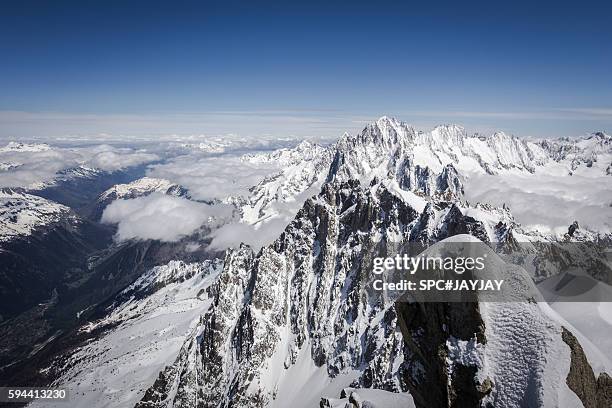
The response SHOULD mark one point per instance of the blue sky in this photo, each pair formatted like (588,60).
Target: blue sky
(311,68)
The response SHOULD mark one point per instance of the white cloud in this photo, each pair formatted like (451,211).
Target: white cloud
(233,234)
(160,217)
(35,167)
(32,168)
(109,158)
(209,177)
(548,203)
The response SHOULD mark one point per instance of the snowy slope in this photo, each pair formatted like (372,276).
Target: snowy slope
(143,331)
(22,213)
(591,319)
(524,355)
(302,172)
(505,353)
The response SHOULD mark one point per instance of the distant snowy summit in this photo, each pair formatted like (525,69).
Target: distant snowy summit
(450,144)
(305,151)
(589,151)
(25,147)
(423,162)
(142,187)
(137,188)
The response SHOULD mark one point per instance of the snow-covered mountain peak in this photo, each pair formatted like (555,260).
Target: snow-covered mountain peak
(385,122)
(76,172)
(303,146)
(388,147)
(21,213)
(305,151)
(598,142)
(393,131)
(140,187)
(448,131)
(25,147)
(428,162)
(439,165)
(591,152)
(137,188)
(302,170)
(385,132)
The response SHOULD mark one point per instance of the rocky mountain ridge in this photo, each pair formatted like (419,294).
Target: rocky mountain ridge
(433,163)
(298,309)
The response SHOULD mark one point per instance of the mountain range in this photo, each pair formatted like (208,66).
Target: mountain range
(151,324)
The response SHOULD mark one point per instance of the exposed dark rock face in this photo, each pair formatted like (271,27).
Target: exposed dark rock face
(572,228)
(506,242)
(455,223)
(449,180)
(426,327)
(422,232)
(300,283)
(593,392)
